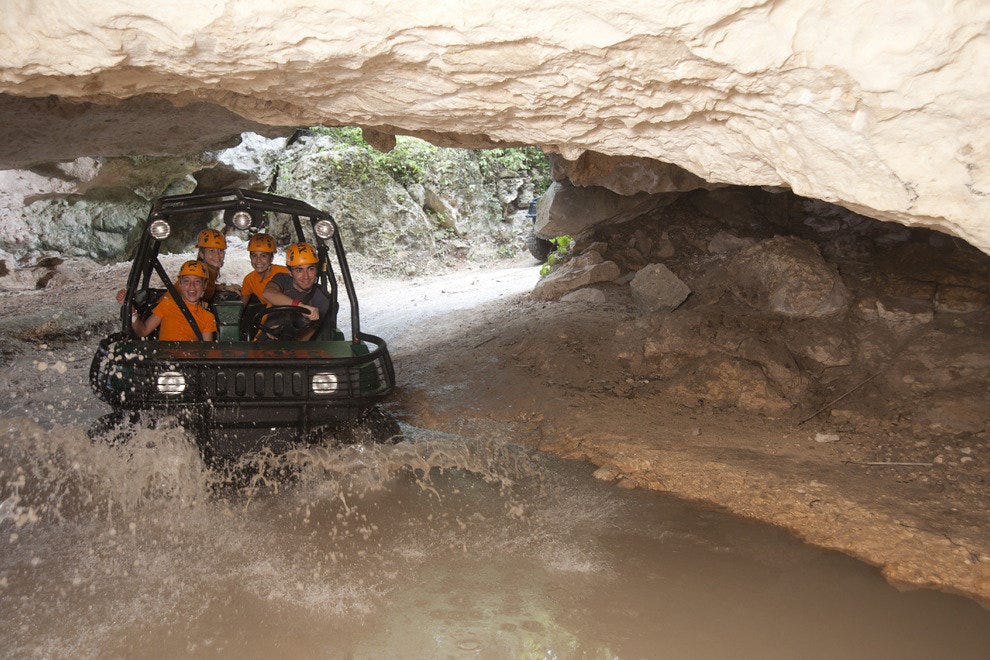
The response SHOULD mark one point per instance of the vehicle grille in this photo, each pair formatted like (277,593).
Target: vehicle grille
(369,379)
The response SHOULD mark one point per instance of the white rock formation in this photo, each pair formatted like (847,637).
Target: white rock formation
(879,106)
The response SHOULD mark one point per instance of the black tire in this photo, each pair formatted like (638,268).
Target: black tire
(540,248)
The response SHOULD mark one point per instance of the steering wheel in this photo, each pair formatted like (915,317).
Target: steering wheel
(275,327)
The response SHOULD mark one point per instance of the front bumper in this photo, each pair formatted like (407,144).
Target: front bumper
(243,384)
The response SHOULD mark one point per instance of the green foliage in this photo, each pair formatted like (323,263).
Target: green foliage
(417,161)
(407,163)
(349,135)
(562,244)
(515,161)
(410,160)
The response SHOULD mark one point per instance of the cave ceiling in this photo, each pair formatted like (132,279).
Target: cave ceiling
(880,107)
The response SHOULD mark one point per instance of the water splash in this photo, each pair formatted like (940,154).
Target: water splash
(53,475)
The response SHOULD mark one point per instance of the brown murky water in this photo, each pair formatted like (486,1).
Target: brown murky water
(435,547)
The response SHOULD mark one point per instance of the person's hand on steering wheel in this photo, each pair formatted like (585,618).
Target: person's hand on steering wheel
(271,328)
(312,313)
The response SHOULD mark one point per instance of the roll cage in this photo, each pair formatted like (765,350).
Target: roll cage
(227,203)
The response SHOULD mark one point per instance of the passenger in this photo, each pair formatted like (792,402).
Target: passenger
(261,248)
(298,287)
(212,250)
(167,314)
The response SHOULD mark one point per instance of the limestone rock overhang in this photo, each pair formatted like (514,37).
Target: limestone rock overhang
(879,107)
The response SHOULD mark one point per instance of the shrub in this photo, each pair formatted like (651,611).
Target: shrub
(562,244)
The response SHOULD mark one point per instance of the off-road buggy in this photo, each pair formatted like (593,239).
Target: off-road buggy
(235,382)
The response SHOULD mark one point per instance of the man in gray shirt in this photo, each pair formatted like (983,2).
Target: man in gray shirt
(298,288)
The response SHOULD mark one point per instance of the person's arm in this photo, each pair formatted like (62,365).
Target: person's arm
(147,326)
(275,296)
(208,336)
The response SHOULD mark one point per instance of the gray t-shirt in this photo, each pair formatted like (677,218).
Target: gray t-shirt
(320,300)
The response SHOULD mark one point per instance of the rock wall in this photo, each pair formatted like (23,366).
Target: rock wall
(770,303)
(878,106)
(418,207)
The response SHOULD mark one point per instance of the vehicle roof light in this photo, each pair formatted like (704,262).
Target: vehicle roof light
(159,229)
(324,229)
(241,219)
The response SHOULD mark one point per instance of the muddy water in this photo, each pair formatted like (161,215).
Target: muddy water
(435,547)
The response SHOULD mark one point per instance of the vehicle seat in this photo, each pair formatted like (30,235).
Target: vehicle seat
(328,333)
(228,313)
(144,301)
(328,330)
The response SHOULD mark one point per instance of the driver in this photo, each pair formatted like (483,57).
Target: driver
(298,287)
(261,249)
(168,315)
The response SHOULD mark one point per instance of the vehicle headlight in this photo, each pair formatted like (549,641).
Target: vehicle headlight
(323,229)
(159,230)
(171,382)
(241,219)
(324,383)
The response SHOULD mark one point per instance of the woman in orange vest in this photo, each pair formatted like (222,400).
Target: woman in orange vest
(167,314)
(212,247)
(261,249)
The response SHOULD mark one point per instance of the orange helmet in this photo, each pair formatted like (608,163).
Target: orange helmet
(193,268)
(261,243)
(300,254)
(211,238)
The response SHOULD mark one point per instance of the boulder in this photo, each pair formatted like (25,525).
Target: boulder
(723,382)
(417,192)
(626,176)
(961,299)
(568,209)
(588,294)
(656,288)
(828,351)
(382,141)
(787,276)
(588,268)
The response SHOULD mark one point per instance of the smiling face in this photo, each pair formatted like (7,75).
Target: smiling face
(191,288)
(261,262)
(303,277)
(212,256)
